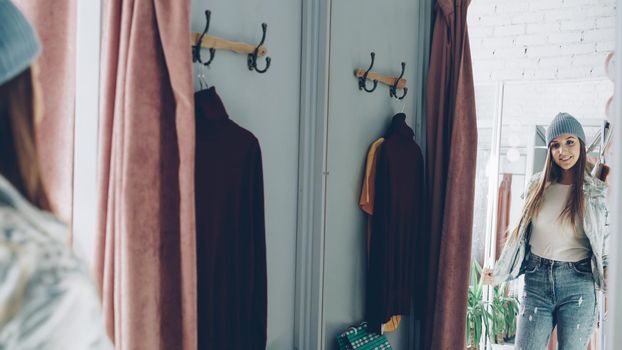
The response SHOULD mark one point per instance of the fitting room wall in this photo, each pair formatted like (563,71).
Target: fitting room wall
(355,119)
(269,106)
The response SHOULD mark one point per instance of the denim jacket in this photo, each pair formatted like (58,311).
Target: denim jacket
(516,249)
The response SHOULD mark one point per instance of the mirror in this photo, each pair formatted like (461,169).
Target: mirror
(530,62)
(500,184)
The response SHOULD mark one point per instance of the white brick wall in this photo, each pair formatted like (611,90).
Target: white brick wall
(537,103)
(540,39)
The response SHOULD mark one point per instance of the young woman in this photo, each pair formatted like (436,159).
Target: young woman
(47,300)
(559,244)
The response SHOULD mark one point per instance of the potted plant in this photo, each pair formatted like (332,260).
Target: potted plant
(498,319)
(503,310)
(477,315)
(511,307)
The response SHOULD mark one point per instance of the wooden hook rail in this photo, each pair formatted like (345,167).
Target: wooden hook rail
(385,79)
(210,41)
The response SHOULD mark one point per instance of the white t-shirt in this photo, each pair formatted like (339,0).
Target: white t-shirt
(555,238)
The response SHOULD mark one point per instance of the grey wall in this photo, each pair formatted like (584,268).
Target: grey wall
(267,105)
(355,119)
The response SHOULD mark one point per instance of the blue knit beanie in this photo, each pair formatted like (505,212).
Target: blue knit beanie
(19,44)
(564,123)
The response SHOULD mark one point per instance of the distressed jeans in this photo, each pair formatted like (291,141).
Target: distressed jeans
(561,294)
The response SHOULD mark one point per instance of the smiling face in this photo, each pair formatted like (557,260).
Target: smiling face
(566,150)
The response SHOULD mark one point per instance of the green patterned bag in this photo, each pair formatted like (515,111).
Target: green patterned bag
(357,338)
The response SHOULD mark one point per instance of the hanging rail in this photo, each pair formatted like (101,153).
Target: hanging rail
(214,42)
(394,83)
(385,79)
(205,40)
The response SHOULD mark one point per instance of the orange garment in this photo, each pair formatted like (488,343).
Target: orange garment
(392,325)
(367,192)
(366,202)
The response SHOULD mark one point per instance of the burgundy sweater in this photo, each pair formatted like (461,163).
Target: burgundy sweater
(231,247)
(394,272)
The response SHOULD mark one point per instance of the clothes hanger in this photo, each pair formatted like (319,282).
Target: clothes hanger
(196,54)
(201,75)
(601,169)
(403,100)
(605,138)
(593,143)
(597,140)
(608,143)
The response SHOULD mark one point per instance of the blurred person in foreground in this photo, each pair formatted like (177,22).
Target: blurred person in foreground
(47,297)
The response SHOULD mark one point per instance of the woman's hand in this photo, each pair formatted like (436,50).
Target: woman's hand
(486,276)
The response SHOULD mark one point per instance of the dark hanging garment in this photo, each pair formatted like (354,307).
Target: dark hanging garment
(396,227)
(231,247)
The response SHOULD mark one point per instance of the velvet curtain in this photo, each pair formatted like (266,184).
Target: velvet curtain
(451,159)
(146,259)
(55,22)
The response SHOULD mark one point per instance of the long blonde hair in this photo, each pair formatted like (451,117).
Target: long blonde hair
(19,159)
(574,208)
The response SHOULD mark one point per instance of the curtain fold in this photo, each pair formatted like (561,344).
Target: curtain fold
(451,159)
(55,23)
(146,258)
(504,203)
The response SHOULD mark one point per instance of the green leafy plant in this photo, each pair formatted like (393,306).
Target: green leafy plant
(478,318)
(503,310)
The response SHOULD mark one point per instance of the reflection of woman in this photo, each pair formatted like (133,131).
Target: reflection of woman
(47,300)
(559,244)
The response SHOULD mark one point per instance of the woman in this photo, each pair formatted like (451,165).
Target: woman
(559,244)
(47,300)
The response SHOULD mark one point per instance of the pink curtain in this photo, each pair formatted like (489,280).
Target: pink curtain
(146,260)
(55,22)
(451,156)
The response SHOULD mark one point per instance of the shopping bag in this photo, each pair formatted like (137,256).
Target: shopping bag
(359,338)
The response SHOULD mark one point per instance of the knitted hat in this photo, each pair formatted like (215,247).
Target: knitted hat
(19,44)
(564,123)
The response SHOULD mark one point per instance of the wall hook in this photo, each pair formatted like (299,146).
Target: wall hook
(252,57)
(393,88)
(196,49)
(363,79)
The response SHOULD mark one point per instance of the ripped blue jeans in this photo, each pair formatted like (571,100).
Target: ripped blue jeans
(561,294)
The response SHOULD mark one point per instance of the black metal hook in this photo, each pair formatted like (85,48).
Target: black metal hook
(393,88)
(252,57)
(363,79)
(196,49)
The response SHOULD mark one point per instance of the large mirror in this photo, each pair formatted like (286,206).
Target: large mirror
(517,154)
(530,62)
